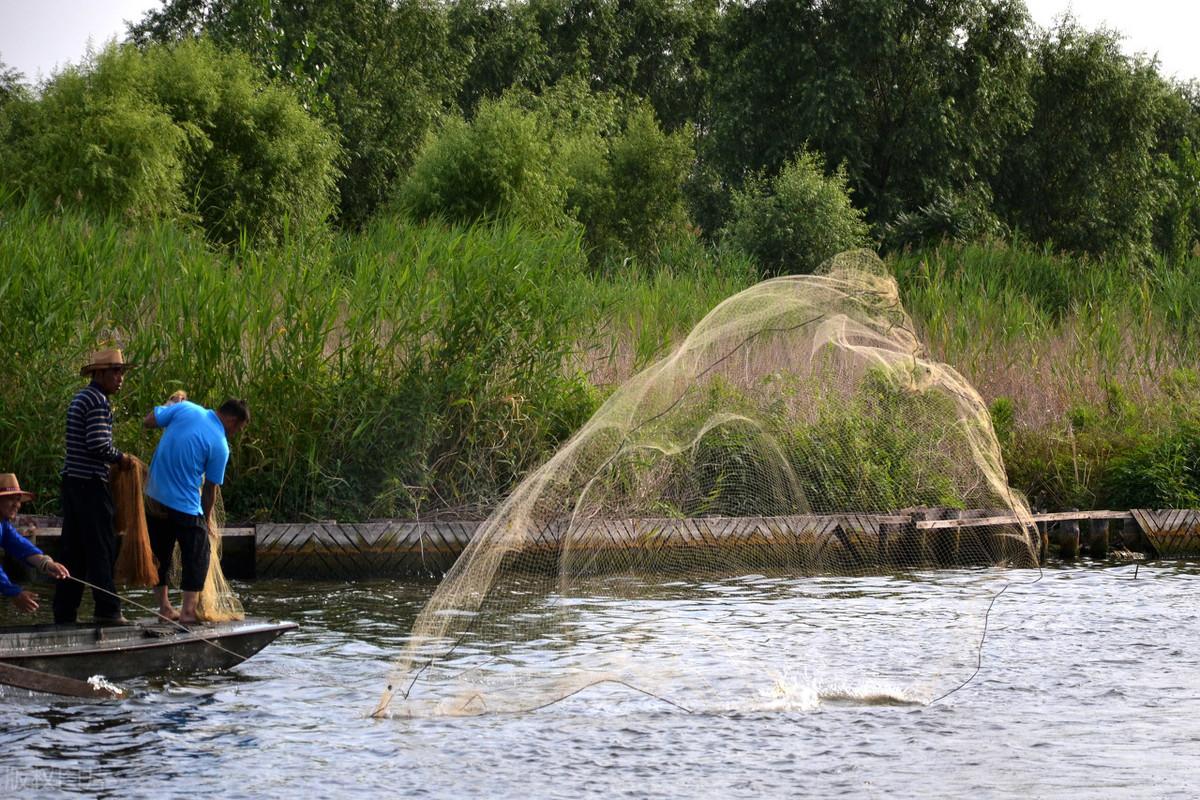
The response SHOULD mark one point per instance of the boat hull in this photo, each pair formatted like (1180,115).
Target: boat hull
(142,648)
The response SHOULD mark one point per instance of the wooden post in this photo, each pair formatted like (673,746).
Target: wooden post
(1068,539)
(1043,529)
(1098,541)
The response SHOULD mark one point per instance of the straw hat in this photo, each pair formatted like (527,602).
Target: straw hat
(9,487)
(105,359)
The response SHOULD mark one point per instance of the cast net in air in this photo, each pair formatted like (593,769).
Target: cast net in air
(744,524)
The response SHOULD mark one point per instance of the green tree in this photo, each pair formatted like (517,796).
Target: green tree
(1085,176)
(181,131)
(1177,226)
(12,90)
(380,71)
(503,48)
(633,48)
(916,99)
(12,85)
(793,222)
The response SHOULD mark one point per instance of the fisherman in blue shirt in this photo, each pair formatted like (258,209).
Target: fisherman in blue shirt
(20,548)
(192,453)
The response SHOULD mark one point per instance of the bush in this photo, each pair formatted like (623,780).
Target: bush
(627,190)
(498,166)
(186,132)
(567,156)
(962,218)
(797,220)
(1159,472)
(93,140)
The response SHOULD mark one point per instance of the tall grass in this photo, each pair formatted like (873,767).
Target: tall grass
(1090,363)
(413,369)
(639,311)
(406,369)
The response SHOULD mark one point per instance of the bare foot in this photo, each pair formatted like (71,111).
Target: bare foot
(169,614)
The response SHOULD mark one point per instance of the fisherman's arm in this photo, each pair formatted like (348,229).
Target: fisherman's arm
(208,496)
(22,549)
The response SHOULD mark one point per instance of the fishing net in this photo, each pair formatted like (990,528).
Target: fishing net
(217,602)
(135,560)
(751,522)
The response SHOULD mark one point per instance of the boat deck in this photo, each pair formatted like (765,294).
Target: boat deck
(143,647)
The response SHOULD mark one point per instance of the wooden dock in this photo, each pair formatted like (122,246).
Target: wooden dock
(399,548)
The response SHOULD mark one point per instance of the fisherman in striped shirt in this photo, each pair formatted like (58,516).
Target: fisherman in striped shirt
(88,543)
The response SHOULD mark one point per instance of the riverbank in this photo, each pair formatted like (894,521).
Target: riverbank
(394,548)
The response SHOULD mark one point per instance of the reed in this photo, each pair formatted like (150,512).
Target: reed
(412,369)
(1087,357)
(404,369)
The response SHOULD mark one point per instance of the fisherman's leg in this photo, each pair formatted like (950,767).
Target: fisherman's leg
(162,544)
(100,544)
(194,553)
(68,593)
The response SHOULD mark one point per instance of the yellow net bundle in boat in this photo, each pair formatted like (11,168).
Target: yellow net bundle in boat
(743,515)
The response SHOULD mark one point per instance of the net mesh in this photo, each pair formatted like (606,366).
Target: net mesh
(217,601)
(742,518)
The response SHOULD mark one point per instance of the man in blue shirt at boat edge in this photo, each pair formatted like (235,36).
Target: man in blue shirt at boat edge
(20,548)
(192,453)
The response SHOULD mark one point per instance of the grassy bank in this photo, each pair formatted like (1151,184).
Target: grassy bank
(412,369)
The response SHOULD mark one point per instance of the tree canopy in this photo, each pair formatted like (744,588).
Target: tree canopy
(643,118)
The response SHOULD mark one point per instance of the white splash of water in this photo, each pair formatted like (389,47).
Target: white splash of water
(102,683)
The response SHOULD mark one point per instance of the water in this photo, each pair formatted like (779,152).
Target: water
(1089,687)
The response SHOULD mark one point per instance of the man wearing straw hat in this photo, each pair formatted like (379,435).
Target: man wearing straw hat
(89,544)
(20,548)
(193,452)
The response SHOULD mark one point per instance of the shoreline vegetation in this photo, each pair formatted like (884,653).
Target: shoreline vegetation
(416,369)
(426,240)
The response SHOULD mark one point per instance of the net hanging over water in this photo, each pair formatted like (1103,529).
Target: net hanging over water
(737,526)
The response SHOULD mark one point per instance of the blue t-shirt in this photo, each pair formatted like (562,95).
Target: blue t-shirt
(20,548)
(193,448)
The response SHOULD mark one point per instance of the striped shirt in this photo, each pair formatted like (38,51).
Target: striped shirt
(89,435)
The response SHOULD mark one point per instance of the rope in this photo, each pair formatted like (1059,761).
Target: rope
(983,638)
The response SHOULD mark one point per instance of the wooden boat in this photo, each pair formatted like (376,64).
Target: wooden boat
(145,647)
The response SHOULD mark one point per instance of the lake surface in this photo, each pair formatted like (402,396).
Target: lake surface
(1089,686)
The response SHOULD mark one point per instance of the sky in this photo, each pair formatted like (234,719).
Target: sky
(36,36)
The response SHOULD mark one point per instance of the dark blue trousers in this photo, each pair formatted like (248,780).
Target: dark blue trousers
(88,548)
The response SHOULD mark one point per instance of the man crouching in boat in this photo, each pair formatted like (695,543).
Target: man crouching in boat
(17,546)
(194,450)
